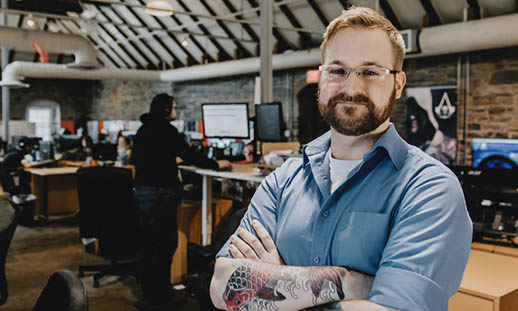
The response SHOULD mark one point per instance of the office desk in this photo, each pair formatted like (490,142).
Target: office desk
(55,189)
(490,280)
(206,206)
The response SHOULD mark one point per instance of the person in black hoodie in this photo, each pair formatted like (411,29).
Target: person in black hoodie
(155,149)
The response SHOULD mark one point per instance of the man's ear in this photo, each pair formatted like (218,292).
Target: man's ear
(400,82)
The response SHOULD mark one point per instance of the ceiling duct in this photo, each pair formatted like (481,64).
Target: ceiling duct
(22,40)
(489,33)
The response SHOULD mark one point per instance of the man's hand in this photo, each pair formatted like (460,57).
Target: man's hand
(248,246)
(224,165)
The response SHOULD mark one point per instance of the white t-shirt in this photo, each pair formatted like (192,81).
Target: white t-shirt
(339,169)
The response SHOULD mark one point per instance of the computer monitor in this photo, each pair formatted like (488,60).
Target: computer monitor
(46,150)
(104,152)
(269,122)
(225,120)
(495,153)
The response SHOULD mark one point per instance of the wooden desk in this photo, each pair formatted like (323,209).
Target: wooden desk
(490,281)
(207,175)
(55,189)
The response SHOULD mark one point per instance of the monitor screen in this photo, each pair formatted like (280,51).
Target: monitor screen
(269,122)
(104,152)
(495,153)
(225,120)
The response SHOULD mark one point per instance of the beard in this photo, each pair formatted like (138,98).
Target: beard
(358,119)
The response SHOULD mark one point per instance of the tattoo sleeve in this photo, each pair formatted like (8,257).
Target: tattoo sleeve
(256,286)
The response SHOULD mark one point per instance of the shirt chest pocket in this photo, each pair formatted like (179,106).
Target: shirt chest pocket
(359,241)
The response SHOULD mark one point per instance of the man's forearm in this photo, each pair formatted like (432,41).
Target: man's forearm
(243,284)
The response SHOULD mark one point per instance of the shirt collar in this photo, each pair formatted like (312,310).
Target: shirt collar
(396,147)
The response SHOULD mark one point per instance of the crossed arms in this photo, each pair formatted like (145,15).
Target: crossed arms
(257,279)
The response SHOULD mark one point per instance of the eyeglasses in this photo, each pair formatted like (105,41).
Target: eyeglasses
(365,73)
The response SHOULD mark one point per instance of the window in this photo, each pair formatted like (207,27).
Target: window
(46,116)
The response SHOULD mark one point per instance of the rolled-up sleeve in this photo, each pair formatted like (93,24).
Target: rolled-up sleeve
(263,207)
(428,247)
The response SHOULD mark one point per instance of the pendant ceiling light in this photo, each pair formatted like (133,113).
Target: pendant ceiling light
(164,8)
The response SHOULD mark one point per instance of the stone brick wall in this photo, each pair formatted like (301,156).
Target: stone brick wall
(491,105)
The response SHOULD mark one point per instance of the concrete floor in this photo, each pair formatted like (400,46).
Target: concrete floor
(38,251)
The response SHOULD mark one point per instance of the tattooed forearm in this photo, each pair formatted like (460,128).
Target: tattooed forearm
(256,286)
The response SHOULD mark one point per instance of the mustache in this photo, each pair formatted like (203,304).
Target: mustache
(358,98)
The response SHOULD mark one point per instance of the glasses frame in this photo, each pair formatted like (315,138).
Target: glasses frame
(323,70)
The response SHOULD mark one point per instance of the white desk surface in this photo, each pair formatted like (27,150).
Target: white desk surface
(222,174)
(52,171)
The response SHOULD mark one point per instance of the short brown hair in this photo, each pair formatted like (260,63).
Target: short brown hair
(366,17)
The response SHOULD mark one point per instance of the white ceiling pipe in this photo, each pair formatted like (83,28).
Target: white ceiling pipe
(16,71)
(483,34)
(243,66)
(22,40)
(489,33)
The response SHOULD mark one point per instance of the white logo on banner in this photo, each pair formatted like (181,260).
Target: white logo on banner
(445,109)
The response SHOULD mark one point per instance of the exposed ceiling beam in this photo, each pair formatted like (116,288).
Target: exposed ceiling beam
(391,15)
(473,10)
(94,41)
(133,45)
(176,61)
(19,25)
(223,55)
(240,47)
(282,43)
(433,17)
(191,59)
(319,12)
(345,4)
(78,18)
(246,27)
(304,37)
(151,64)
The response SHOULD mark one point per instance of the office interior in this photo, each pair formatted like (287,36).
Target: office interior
(92,68)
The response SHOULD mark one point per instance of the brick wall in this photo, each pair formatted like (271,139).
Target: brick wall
(492,101)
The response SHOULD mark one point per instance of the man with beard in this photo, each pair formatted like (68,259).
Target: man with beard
(364,220)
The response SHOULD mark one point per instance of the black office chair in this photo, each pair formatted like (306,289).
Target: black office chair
(9,216)
(64,292)
(107,214)
(201,259)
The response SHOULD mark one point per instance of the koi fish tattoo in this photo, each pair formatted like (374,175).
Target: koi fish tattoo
(249,288)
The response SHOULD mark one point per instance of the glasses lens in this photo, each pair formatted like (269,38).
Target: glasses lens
(370,73)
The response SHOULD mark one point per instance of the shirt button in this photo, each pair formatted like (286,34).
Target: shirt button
(316,259)
(325,213)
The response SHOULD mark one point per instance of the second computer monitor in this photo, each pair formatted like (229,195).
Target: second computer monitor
(225,120)
(269,122)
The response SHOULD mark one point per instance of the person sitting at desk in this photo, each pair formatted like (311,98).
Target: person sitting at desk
(155,149)
(14,180)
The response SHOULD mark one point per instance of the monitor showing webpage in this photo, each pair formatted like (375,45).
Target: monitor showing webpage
(225,120)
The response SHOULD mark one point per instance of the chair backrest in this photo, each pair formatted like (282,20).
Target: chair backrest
(64,292)
(106,209)
(9,215)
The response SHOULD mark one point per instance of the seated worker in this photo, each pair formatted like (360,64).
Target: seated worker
(14,179)
(155,149)
(124,149)
(363,221)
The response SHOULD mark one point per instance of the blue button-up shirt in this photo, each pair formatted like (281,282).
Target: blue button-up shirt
(400,215)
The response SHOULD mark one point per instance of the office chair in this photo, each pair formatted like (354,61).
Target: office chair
(64,292)
(107,214)
(201,259)
(9,215)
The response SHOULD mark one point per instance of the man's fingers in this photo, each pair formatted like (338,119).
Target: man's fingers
(244,248)
(265,237)
(253,241)
(235,252)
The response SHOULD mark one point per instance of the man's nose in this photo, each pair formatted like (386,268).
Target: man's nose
(352,84)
